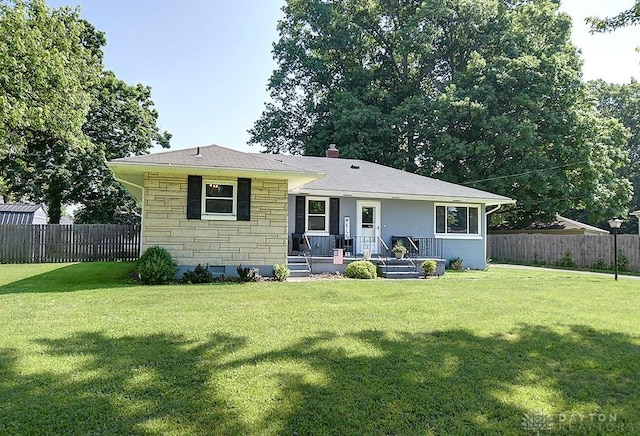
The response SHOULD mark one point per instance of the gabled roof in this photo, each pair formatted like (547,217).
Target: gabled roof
(211,160)
(19,208)
(18,213)
(211,156)
(559,226)
(570,224)
(354,177)
(306,174)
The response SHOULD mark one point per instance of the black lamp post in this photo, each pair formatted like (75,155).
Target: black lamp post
(615,225)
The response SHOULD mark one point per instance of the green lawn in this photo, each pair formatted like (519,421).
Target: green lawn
(83,351)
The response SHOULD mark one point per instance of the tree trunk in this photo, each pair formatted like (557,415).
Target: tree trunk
(54,202)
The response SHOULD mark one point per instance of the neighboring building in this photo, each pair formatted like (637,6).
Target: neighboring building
(637,215)
(559,226)
(222,207)
(22,214)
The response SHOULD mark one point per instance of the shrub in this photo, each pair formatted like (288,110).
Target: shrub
(566,261)
(429,267)
(361,269)
(156,266)
(200,274)
(599,264)
(456,264)
(623,262)
(281,272)
(248,274)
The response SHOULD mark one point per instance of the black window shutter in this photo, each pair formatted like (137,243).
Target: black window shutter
(244,200)
(334,216)
(194,197)
(300,210)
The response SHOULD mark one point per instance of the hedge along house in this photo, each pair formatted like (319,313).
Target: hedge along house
(221,207)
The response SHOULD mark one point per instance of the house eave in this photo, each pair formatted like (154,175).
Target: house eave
(134,172)
(411,197)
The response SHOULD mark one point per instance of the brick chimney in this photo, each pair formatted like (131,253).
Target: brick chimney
(332,151)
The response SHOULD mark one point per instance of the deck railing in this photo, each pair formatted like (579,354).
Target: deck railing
(427,247)
(372,246)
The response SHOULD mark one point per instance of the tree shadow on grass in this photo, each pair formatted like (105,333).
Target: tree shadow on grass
(455,382)
(369,382)
(75,277)
(155,384)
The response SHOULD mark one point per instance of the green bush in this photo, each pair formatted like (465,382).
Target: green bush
(429,267)
(623,262)
(156,266)
(248,274)
(566,261)
(280,272)
(599,264)
(200,274)
(361,269)
(456,264)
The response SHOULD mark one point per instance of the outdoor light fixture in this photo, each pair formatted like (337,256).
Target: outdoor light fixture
(615,224)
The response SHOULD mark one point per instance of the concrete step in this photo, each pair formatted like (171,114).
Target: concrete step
(298,273)
(399,268)
(394,275)
(298,266)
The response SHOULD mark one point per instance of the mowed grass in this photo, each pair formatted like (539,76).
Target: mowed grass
(84,351)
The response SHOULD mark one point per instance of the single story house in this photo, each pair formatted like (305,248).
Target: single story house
(559,226)
(225,208)
(22,214)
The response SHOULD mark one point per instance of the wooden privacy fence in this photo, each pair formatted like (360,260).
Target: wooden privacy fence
(40,243)
(584,250)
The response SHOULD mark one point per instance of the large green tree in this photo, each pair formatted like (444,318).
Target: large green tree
(45,73)
(122,121)
(622,101)
(484,92)
(44,163)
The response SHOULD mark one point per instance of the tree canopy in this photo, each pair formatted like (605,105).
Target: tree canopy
(46,71)
(622,101)
(64,117)
(486,93)
(629,17)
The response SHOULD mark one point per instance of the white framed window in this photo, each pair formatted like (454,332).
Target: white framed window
(219,199)
(457,220)
(317,219)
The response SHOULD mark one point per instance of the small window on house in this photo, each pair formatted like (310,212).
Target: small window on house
(457,220)
(318,215)
(219,199)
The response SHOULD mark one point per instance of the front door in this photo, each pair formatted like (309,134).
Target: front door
(368,226)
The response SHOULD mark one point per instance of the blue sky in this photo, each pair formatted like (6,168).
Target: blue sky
(208,61)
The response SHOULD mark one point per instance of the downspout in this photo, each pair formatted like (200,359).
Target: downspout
(495,209)
(486,221)
(141,188)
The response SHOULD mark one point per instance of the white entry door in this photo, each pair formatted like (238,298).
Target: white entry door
(368,226)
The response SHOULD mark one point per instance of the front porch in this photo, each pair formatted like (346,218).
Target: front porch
(313,254)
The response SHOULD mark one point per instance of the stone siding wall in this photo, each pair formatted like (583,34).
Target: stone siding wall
(259,242)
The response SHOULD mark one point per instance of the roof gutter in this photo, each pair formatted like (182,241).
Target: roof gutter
(155,167)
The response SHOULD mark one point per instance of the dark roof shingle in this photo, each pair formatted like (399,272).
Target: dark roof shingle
(211,156)
(359,176)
